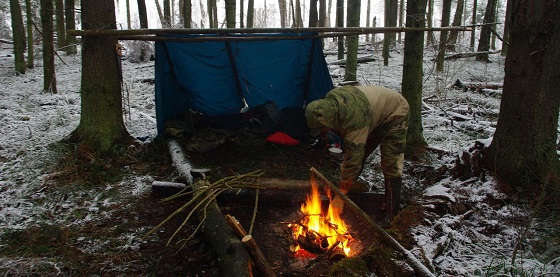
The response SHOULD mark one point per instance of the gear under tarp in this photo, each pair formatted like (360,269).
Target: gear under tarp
(214,77)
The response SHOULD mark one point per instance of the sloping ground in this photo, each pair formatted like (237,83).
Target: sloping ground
(64,211)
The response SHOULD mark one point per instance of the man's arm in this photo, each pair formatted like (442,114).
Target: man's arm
(354,151)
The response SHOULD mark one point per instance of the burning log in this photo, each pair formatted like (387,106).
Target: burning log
(419,268)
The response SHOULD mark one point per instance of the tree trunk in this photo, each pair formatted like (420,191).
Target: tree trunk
(215,13)
(142,14)
(160,14)
(60,29)
(352,20)
(187,13)
(368,15)
(18,33)
(329,14)
(251,13)
(473,22)
(412,77)
(29,26)
(293,12)
(322,13)
(401,14)
(230,13)
(340,23)
(391,11)
(456,22)
(128,26)
(167,12)
(49,76)
(71,49)
(506,28)
(523,150)
(493,43)
(101,122)
(313,16)
(443,35)
(430,21)
(202,14)
(182,12)
(283,13)
(484,41)
(241,15)
(298,13)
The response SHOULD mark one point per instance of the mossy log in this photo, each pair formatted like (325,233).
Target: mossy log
(232,256)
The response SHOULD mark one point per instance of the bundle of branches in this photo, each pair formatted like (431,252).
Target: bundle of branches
(203,194)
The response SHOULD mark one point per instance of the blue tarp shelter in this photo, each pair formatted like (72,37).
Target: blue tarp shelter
(218,77)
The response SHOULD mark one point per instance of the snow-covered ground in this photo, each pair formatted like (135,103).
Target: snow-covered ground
(469,229)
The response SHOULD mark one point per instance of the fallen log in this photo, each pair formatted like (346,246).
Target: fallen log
(256,253)
(468,55)
(362,59)
(233,257)
(419,268)
(475,86)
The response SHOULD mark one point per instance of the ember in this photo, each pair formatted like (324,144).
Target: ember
(319,232)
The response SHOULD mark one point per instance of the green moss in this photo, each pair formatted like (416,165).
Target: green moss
(354,266)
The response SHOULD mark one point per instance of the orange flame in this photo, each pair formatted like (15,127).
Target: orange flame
(328,224)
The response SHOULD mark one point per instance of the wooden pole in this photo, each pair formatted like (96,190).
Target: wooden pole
(419,268)
(350,30)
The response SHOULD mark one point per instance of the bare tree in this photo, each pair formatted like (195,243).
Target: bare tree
(401,14)
(101,122)
(352,20)
(142,14)
(412,77)
(69,10)
(128,26)
(340,23)
(251,13)
(283,12)
(473,22)
(322,13)
(167,12)
(484,41)
(368,17)
(506,28)
(241,15)
(523,150)
(298,13)
(391,11)
(187,13)
(456,22)
(18,33)
(313,16)
(49,75)
(29,26)
(443,35)
(430,21)
(60,29)
(230,13)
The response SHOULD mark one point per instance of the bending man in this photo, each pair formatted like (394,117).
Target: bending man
(365,117)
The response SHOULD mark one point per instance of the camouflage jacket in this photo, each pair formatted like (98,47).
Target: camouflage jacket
(354,113)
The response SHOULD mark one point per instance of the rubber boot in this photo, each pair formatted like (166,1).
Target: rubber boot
(392,196)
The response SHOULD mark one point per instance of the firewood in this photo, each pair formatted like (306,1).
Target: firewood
(254,250)
(475,86)
(419,268)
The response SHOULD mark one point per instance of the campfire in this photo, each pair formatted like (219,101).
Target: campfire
(319,232)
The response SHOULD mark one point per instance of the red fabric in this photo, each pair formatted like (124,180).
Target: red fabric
(282,138)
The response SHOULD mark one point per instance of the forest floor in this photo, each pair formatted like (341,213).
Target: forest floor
(63,211)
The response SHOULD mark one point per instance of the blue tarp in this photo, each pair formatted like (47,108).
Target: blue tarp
(214,77)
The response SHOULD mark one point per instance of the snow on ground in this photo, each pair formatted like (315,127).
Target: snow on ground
(455,240)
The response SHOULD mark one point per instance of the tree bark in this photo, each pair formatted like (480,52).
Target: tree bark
(484,41)
(18,33)
(430,21)
(412,78)
(401,14)
(322,13)
(446,10)
(49,75)
(230,13)
(523,150)
(456,22)
(352,20)
(506,27)
(329,14)
(71,49)
(340,23)
(251,13)
(391,11)
(473,22)
(60,29)
(187,13)
(142,14)
(167,12)
(215,13)
(283,13)
(160,14)
(368,15)
(293,12)
(101,122)
(493,43)
(29,26)
(298,13)
(128,26)
(313,16)
(241,14)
